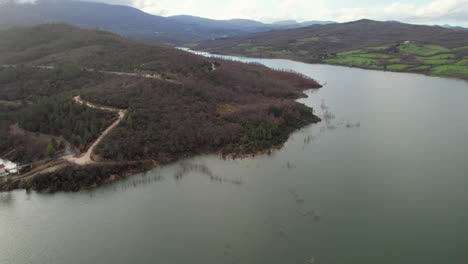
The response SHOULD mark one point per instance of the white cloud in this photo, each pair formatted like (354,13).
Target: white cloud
(435,12)
(438,11)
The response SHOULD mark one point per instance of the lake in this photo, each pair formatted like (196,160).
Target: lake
(381,180)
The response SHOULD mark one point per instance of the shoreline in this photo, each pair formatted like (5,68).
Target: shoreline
(298,59)
(132,168)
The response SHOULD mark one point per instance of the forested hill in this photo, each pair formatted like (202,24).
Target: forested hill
(320,42)
(129,21)
(52,44)
(322,39)
(123,20)
(178,103)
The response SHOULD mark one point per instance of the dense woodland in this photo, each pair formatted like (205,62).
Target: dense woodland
(167,121)
(29,84)
(60,115)
(40,100)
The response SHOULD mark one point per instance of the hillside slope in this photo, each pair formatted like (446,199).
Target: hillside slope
(317,43)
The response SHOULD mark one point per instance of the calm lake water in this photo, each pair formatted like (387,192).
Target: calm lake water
(382,180)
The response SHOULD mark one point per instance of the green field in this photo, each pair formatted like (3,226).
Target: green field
(257,48)
(421,49)
(425,61)
(350,52)
(422,67)
(462,62)
(277,51)
(407,57)
(460,48)
(438,57)
(394,60)
(373,55)
(379,47)
(450,70)
(397,66)
(353,61)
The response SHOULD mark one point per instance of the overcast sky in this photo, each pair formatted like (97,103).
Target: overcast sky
(454,12)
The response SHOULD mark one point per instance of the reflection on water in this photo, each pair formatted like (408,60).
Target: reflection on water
(6,199)
(356,125)
(186,167)
(290,165)
(134,182)
(329,117)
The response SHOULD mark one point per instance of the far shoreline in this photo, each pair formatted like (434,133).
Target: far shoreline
(298,59)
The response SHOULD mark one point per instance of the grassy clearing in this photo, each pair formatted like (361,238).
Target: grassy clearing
(421,49)
(303,52)
(462,62)
(394,60)
(190,45)
(432,59)
(351,52)
(244,45)
(257,48)
(277,51)
(450,70)
(397,66)
(352,60)
(374,55)
(460,48)
(422,67)
(379,48)
(438,57)
(436,61)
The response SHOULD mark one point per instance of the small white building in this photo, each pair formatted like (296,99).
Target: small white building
(3,171)
(7,167)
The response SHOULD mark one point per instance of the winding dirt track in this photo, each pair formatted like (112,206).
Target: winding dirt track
(85,158)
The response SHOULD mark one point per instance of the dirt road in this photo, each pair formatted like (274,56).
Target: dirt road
(85,158)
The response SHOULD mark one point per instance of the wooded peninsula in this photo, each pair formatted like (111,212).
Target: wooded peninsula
(176,105)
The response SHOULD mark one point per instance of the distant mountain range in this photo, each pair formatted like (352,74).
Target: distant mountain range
(134,23)
(455,27)
(232,24)
(131,22)
(295,24)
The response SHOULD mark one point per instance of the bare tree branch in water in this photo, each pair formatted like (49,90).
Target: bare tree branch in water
(350,125)
(186,168)
(290,165)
